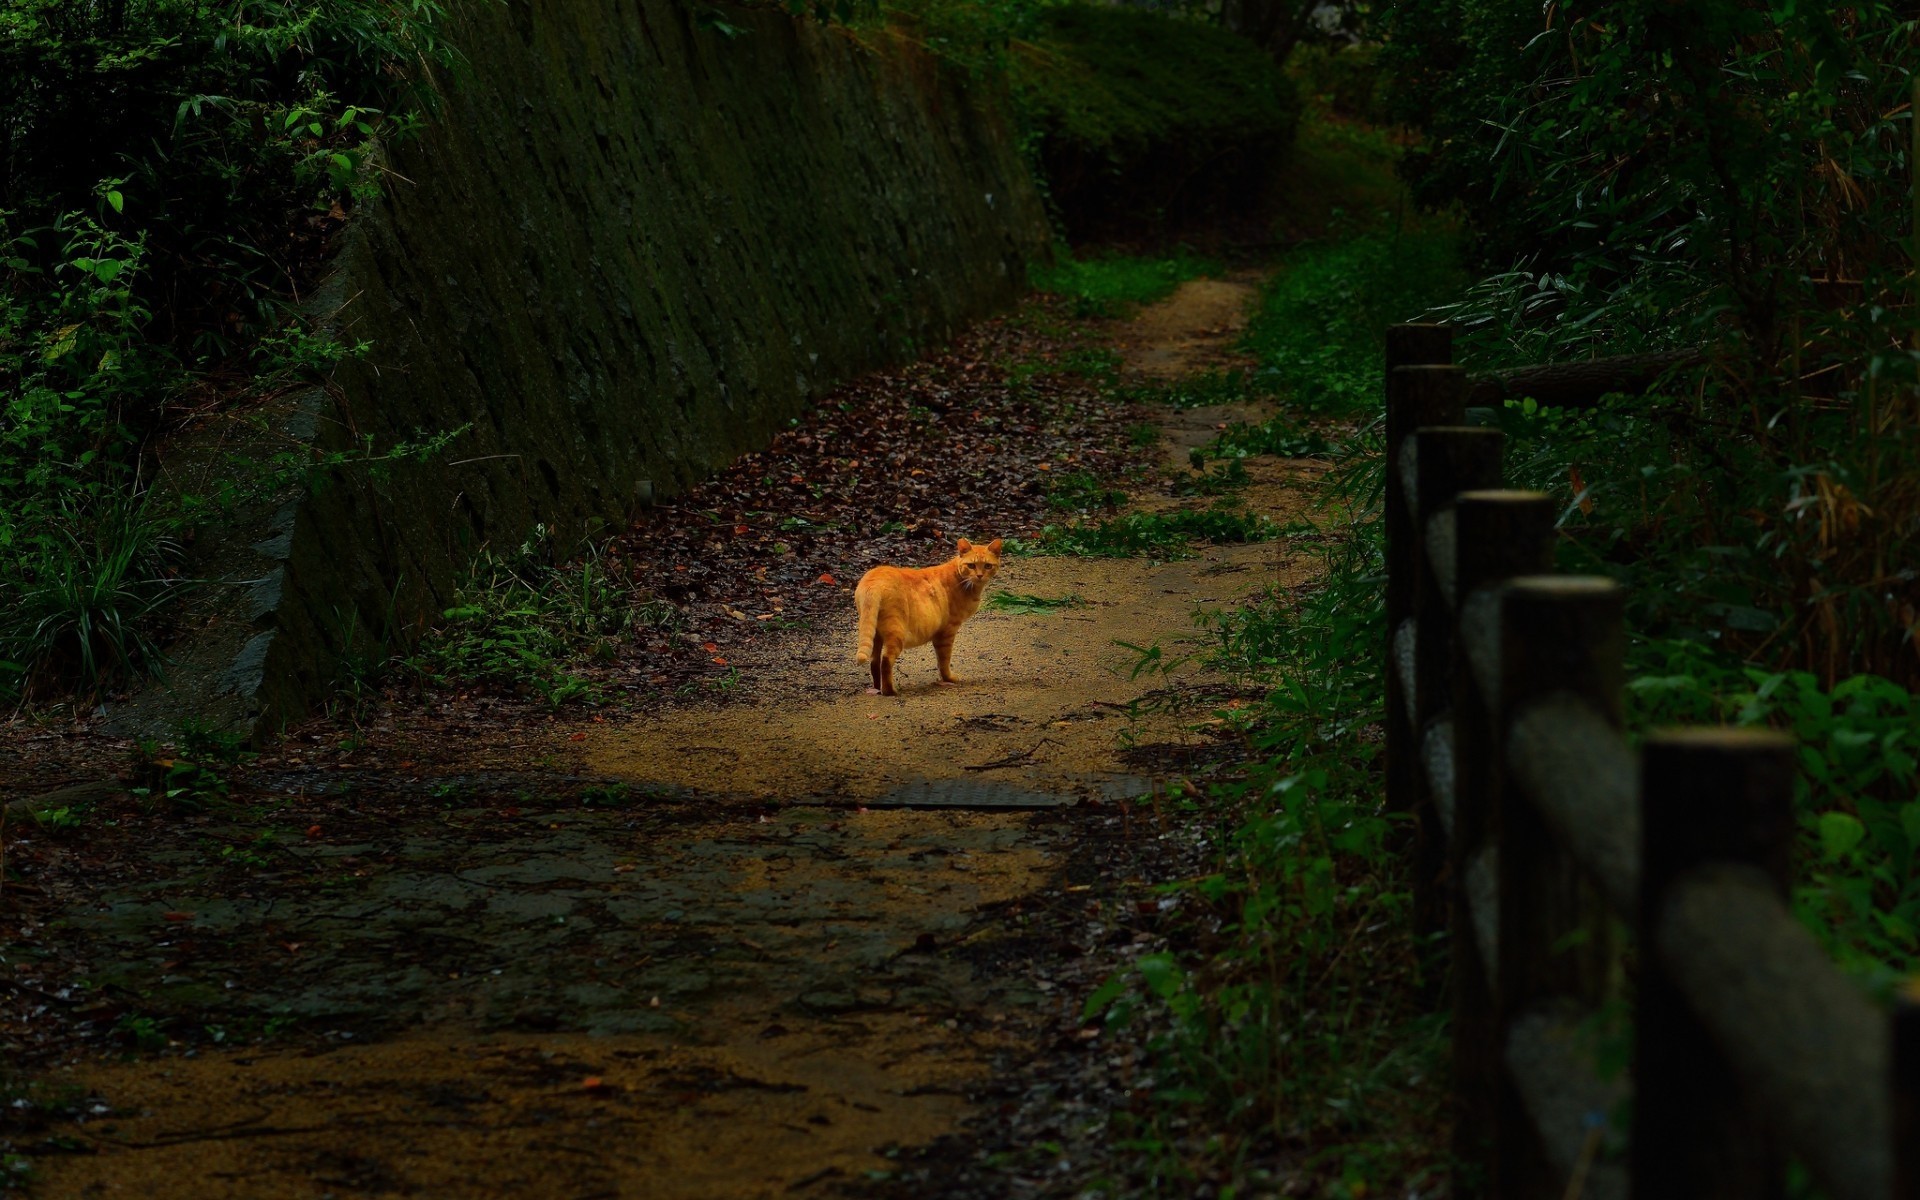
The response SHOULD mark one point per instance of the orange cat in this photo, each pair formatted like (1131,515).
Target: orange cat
(911,606)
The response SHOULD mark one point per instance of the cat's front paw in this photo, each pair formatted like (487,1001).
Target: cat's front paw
(950,680)
(873,691)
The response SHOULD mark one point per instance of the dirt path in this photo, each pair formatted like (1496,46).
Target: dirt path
(769,946)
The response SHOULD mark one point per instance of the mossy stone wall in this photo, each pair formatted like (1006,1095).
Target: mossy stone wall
(625,250)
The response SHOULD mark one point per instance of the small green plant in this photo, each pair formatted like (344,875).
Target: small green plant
(1278,437)
(251,854)
(1143,435)
(1016,602)
(59,820)
(520,619)
(1082,491)
(1227,478)
(608,795)
(74,600)
(144,1033)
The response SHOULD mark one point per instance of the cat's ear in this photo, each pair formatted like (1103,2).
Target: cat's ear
(994,546)
(965,545)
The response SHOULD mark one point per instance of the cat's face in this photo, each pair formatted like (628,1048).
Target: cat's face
(978,564)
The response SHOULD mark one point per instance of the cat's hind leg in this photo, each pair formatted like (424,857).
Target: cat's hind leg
(873,655)
(891,642)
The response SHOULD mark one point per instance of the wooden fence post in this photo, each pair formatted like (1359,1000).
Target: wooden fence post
(1412,400)
(1497,535)
(1706,796)
(1905,1086)
(1558,634)
(1447,460)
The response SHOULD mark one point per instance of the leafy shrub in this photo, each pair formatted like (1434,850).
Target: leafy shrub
(170,174)
(1858,793)
(1724,176)
(75,597)
(1318,331)
(521,619)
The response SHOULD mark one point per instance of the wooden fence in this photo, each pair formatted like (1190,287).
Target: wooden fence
(1546,847)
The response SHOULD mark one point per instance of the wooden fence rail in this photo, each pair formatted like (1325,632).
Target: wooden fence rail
(1543,838)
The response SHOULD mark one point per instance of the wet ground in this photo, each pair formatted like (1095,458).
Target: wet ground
(771,947)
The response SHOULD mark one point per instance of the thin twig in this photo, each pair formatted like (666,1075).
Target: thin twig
(1013,760)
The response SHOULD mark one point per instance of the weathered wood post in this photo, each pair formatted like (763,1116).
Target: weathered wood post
(1441,462)
(1497,535)
(1410,403)
(1417,396)
(1906,1091)
(1706,796)
(1558,634)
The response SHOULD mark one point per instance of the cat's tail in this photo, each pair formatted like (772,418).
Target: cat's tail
(866,636)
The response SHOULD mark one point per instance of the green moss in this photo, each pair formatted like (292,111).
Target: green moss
(1137,111)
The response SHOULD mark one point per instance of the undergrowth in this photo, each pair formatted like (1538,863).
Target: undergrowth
(522,619)
(173,173)
(1318,330)
(1110,285)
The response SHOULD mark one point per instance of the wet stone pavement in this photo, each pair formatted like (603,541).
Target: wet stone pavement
(601,922)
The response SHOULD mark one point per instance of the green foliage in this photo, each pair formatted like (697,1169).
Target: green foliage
(1228,477)
(1108,285)
(1082,491)
(1858,793)
(1288,1015)
(1279,436)
(1725,175)
(1320,324)
(77,593)
(1161,535)
(1137,114)
(521,619)
(170,172)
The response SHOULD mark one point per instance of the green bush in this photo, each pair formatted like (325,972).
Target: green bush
(1147,118)
(171,172)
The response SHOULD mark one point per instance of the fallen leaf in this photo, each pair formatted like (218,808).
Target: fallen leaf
(576,737)
(718,661)
(313,831)
(176,916)
(741,529)
(1580,490)
(710,647)
(827,577)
